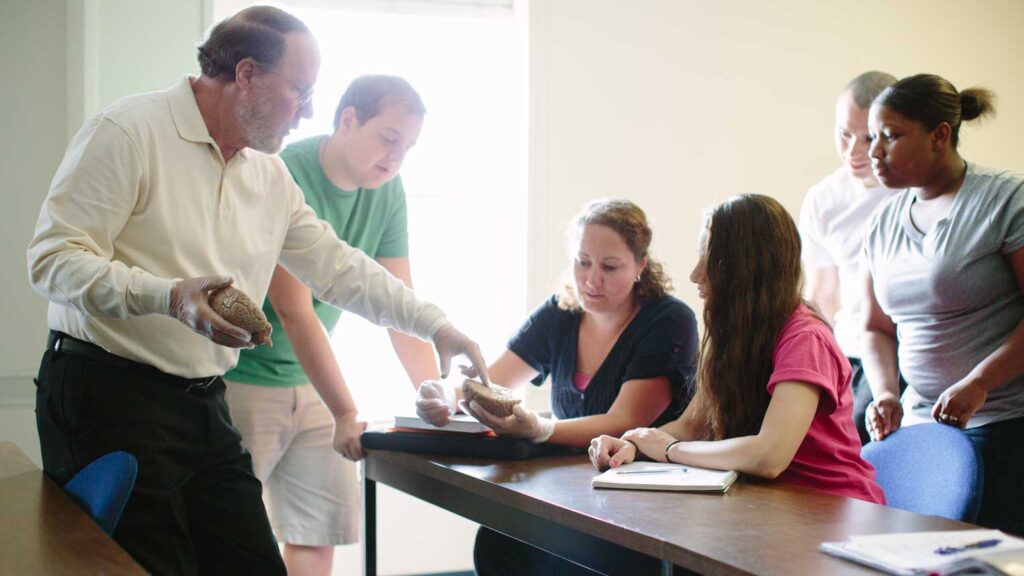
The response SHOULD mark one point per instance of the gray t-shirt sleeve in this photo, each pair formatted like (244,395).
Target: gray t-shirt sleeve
(1011,220)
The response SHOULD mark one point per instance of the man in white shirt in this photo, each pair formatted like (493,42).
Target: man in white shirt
(833,222)
(160,199)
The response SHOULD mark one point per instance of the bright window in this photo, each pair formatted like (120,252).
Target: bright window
(465,179)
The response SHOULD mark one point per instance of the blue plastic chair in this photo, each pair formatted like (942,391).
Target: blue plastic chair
(103,487)
(930,469)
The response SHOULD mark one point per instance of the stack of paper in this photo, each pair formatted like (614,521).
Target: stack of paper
(941,553)
(664,476)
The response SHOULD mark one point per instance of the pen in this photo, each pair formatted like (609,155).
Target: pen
(947,550)
(661,471)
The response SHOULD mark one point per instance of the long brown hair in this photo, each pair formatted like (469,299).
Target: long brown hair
(752,263)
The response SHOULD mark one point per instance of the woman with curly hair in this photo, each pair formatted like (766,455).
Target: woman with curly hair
(619,350)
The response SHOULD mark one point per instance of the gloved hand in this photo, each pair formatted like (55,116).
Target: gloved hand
(523,423)
(449,342)
(346,436)
(435,402)
(189,306)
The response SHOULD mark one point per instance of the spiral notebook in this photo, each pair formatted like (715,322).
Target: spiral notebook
(665,476)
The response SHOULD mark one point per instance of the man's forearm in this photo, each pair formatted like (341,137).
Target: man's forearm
(880,363)
(313,350)
(349,279)
(416,356)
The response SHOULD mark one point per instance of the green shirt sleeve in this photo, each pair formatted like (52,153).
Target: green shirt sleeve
(394,242)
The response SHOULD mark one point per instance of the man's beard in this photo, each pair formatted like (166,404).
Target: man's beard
(254,118)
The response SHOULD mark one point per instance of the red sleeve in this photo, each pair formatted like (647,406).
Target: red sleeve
(806,357)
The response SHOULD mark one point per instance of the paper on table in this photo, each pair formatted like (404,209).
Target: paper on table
(1006,563)
(664,476)
(914,552)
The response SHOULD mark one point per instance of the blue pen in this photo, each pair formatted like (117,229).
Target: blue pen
(947,550)
(661,471)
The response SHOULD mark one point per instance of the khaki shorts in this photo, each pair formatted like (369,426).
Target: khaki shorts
(311,492)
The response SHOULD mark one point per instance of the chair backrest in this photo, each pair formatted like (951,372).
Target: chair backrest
(930,469)
(103,487)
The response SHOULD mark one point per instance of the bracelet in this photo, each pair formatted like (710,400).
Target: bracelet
(637,448)
(669,447)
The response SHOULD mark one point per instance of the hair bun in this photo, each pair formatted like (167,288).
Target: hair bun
(976,102)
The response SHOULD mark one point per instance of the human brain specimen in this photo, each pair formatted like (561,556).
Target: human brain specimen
(234,306)
(497,400)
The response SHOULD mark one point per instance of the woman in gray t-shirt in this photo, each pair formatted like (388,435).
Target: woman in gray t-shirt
(945,265)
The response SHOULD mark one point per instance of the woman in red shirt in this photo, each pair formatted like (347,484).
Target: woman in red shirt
(773,387)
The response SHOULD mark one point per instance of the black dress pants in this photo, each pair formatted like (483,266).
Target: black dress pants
(196,507)
(1001,445)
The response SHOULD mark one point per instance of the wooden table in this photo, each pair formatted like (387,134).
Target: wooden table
(756,528)
(43,531)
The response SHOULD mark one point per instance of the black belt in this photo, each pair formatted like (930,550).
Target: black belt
(61,342)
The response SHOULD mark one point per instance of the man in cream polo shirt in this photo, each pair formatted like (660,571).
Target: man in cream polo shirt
(161,198)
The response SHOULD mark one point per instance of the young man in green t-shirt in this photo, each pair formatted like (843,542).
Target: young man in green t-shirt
(350,179)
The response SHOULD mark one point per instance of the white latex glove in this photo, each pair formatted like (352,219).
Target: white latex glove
(189,306)
(435,402)
(523,423)
(449,343)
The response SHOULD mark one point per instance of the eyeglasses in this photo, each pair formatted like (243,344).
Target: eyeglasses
(304,92)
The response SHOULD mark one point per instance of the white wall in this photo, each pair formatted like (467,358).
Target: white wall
(64,60)
(678,104)
(122,47)
(32,119)
(143,46)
